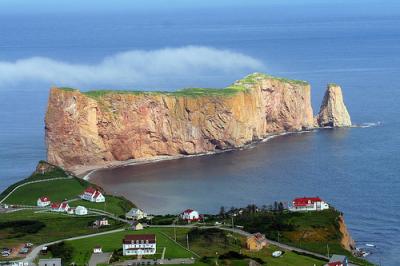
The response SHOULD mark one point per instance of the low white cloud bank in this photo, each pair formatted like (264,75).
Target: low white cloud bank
(137,68)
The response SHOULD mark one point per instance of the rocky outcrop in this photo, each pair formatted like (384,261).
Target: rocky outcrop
(347,242)
(333,112)
(100,127)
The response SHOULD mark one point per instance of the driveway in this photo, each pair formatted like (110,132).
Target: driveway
(98,258)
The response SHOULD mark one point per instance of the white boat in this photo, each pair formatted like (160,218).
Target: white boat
(277,254)
(370,245)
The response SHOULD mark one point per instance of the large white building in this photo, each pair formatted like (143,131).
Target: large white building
(139,245)
(93,195)
(308,204)
(135,214)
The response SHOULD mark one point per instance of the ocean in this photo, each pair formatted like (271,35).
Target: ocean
(354,169)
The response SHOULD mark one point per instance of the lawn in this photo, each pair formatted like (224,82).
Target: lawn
(115,205)
(52,172)
(56,190)
(56,226)
(83,247)
(223,242)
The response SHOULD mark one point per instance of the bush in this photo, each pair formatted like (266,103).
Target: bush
(23,227)
(62,250)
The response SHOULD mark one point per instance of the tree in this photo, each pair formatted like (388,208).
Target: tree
(222,212)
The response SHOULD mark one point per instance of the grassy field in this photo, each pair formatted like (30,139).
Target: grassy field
(56,226)
(56,190)
(83,248)
(220,244)
(52,173)
(206,247)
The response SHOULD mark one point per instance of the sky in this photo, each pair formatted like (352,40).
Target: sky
(52,6)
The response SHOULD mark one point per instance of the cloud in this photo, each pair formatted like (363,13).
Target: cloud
(136,68)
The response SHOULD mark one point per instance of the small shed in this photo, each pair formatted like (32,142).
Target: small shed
(80,210)
(137,226)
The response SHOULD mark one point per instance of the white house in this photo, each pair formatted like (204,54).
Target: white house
(137,226)
(80,210)
(97,249)
(135,214)
(93,195)
(308,204)
(43,202)
(60,207)
(139,245)
(190,215)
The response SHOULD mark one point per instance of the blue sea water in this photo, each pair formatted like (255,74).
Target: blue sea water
(355,169)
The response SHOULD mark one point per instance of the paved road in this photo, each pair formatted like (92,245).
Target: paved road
(32,182)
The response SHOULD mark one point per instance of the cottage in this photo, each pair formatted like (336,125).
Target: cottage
(190,215)
(50,262)
(256,242)
(308,204)
(43,202)
(338,260)
(97,249)
(101,222)
(80,210)
(139,245)
(60,207)
(137,226)
(93,195)
(135,214)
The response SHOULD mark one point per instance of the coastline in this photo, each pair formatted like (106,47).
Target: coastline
(85,172)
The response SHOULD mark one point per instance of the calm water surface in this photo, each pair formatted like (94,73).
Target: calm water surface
(356,170)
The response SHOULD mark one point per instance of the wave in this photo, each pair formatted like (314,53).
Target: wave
(368,124)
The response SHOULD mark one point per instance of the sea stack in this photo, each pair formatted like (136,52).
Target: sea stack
(333,111)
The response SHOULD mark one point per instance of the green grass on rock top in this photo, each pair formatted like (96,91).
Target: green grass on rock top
(241,85)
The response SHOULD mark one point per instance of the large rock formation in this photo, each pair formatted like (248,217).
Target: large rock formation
(100,127)
(333,112)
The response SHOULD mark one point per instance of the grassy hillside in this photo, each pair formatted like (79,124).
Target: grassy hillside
(56,226)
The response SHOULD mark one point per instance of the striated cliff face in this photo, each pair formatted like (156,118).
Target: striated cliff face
(333,112)
(106,126)
(347,242)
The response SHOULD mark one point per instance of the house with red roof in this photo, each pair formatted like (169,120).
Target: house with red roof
(308,204)
(93,195)
(43,201)
(60,207)
(190,215)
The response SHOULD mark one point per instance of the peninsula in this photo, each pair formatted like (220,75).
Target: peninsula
(103,127)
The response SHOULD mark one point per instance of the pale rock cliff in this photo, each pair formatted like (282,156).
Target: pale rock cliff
(101,127)
(333,112)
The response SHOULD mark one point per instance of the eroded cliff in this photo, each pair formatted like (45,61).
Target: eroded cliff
(98,127)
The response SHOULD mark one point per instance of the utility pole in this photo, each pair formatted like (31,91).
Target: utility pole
(278,237)
(327,248)
(233,227)
(175,232)
(187,241)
